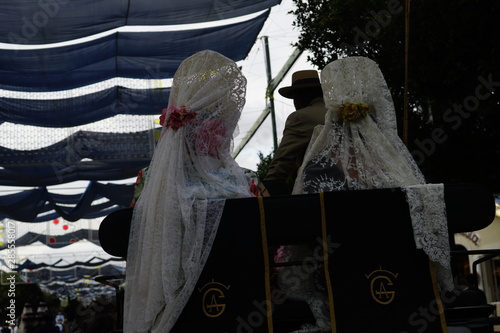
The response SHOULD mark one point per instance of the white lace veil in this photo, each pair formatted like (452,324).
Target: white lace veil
(191,173)
(367,153)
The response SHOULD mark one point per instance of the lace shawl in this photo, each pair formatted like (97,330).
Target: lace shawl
(367,153)
(191,174)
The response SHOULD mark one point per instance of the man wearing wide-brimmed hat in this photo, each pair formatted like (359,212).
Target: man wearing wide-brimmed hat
(310,111)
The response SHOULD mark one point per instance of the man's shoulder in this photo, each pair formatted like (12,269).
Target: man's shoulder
(316,105)
(310,112)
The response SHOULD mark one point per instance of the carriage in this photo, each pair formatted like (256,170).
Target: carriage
(376,278)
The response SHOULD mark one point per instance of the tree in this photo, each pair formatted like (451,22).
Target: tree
(263,165)
(453,74)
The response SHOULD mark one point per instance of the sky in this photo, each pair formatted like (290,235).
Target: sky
(281,35)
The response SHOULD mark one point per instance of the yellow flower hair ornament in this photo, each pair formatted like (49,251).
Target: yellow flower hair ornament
(349,112)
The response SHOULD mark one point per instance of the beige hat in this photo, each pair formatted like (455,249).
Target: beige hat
(301,79)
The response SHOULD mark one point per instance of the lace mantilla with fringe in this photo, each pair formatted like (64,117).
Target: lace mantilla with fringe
(191,174)
(364,151)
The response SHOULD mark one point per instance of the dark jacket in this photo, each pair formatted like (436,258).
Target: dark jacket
(298,130)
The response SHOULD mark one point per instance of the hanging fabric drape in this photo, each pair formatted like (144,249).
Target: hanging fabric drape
(40,205)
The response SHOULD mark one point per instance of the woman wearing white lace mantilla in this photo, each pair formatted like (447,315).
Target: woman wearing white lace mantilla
(359,148)
(191,174)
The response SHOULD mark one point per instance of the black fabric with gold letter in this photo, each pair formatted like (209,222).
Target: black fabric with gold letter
(230,295)
(380,282)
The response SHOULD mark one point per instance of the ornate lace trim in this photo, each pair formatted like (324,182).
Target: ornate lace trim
(430,227)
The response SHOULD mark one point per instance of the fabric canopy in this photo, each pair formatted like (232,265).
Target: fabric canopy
(83,109)
(39,205)
(59,240)
(70,64)
(64,173)
(67,64)
(92,262)
(73,281)
(39,253)
(145,55)
(85,145)
(44,22)
(57,277)
(81,84)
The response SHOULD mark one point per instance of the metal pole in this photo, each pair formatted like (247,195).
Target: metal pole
(270,93)
(274,84)
(407,46)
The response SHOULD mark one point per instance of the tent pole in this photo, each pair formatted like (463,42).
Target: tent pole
(407,42)
(272,86)
(270,92)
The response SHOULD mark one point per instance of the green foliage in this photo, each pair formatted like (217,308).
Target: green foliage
(453,50)
(263,165)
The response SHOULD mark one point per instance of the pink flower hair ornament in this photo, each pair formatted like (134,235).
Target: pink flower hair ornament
(210,137)
(175,118)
